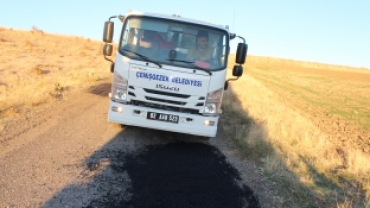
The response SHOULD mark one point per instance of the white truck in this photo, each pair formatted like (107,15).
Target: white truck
(155,83)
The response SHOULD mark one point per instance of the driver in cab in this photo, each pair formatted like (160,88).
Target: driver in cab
(201,51)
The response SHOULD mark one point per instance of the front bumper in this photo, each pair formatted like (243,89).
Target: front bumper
(137,116)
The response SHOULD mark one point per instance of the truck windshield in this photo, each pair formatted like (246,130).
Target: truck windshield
(175,43)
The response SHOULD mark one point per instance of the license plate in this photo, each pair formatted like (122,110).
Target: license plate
(163,117)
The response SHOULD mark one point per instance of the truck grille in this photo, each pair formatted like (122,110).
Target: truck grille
(165,101)
(165,107)
(166,93)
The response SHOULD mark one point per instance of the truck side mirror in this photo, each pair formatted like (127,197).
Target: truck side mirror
(108,32)
(241,53)
(107,50)
(237,71)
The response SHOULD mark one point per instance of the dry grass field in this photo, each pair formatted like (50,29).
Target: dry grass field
(308,126)
(37,68)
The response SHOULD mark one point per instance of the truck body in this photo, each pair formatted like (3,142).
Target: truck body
(155,83)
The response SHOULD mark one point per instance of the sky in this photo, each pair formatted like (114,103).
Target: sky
(324,31)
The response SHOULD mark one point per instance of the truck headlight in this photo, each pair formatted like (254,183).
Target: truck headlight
(213,101)
(210,108)
(119,88)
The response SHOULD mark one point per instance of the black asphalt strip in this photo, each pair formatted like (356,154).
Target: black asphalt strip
(179,175)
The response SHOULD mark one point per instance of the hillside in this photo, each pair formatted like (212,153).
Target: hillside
(266,62)
(37,68)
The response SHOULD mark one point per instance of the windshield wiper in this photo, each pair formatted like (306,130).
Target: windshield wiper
(192,64)
(182,61)
(202,69)
(143,57)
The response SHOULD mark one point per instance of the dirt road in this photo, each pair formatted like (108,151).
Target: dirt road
(68,155)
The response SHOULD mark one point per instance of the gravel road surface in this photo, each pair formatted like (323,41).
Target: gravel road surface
(68,155)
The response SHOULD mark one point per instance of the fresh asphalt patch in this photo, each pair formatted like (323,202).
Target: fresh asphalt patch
(174,175)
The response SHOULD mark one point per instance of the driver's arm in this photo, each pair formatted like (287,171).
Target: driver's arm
(207,54)
(192,53)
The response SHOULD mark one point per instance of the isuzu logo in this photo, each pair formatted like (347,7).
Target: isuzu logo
(164,87)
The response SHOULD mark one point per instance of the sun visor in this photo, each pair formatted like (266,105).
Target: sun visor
(146,24)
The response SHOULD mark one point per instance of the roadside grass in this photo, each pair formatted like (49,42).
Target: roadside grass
(281,117)
(38,68)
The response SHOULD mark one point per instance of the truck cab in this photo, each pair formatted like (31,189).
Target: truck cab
(161,80)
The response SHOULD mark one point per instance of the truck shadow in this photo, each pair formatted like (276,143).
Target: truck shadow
(148,168)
